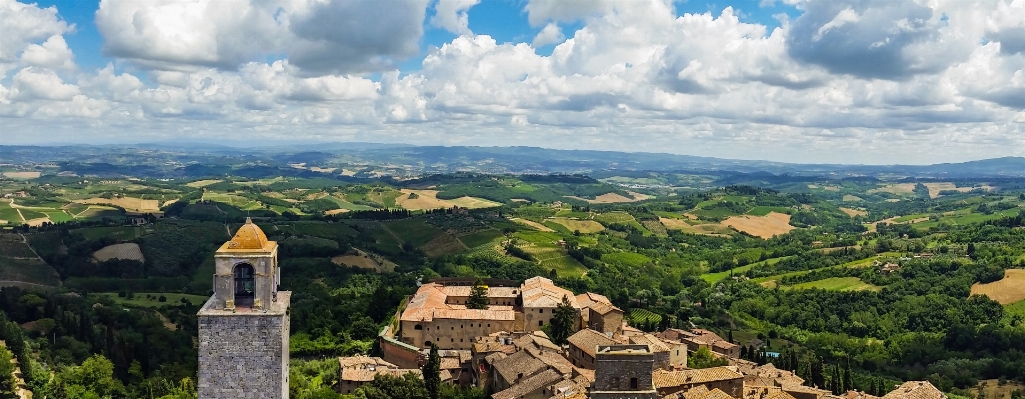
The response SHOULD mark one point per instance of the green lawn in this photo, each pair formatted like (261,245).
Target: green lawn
(140,299)
(838,284)
(480,238)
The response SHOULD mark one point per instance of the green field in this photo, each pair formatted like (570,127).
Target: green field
(27,270)
(480,238)
(30,214)
(413,231)
(140,300)
(858,263)
(1017,308)
(614,217)
(838,284)
(713,277)
(565,266)
(9,214)
(638,315)
(343,204)
(765,210)
(58,216)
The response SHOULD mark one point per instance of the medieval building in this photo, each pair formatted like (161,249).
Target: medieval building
(243,327)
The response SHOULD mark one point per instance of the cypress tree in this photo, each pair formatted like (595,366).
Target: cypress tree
(848,381)
(835,382)
(432,372)
(478,296)
(743,352)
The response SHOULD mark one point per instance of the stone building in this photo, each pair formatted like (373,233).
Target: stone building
(244,326)
(437,313)
(582,347)
(727,379)
(623,371)
(358,370)
(599,314)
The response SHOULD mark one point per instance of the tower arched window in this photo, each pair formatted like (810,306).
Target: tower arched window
(244,281)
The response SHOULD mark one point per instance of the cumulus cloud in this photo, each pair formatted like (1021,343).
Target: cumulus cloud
(24,24)
(844,81)
(321,37)
(874,39)
(452,16)
(53,53)
(550,34)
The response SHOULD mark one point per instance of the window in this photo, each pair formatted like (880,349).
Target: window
(540,310)
(453,328)
(489,324)
(633,383)
(452,339)
(418,327)
(540,322)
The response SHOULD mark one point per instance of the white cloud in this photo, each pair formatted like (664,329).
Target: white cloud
(452,16)
(844,82)
(24,24)
(549,35)
(54,53)
(318,36)
(41,84)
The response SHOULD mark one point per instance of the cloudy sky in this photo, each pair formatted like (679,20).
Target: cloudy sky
(853,81)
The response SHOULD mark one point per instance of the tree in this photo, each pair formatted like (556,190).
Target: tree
(388,387)
(563,322)
(432,373)
(730,337)
(743,352)
(94,376)
(478,296)
(703,359)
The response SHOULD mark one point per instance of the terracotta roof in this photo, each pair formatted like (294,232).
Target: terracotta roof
(364,361)
(589,298)
(529,385)
(788,387)
(916,390)
(779,395)
(603,308)
(588,340)
(655,343)
(366,375)
(429,303)
(858,395)
(716,394)
(541,292)
(697,392)
(517,364)
(493,292)
(665,378)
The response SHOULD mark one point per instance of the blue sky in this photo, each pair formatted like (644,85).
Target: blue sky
(783,80)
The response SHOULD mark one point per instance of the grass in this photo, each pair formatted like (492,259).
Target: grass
(584,226)
(565,266)
(413,231)
(770,281)
(1017,308)
(343,204)
(713,277)
(59,216)
(538,237)
(765,210)
(480,238)
(637,315)
(614,217)
(9,214)
(29,214)
(27,270)
(838,284)
(140,299)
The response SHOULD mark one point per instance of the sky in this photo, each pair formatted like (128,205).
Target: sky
(823,81)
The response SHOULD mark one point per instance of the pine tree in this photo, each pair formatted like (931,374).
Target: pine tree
(432,372)
(478,296)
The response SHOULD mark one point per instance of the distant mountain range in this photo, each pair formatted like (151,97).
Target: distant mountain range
(440,159)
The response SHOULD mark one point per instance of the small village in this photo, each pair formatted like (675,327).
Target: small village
(505,350)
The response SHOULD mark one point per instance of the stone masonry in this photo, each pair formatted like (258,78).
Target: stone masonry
(244,355)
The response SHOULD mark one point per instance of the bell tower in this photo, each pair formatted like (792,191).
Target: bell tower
(244,326)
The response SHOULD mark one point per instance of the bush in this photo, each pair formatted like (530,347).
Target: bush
(162,299)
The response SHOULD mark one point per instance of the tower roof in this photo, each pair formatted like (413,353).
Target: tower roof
(248,238)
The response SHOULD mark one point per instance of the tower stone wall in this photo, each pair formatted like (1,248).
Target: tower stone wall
(244,326)
(244,355)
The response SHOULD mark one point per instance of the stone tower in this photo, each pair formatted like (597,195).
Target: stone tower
(243,327)
(623,372)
